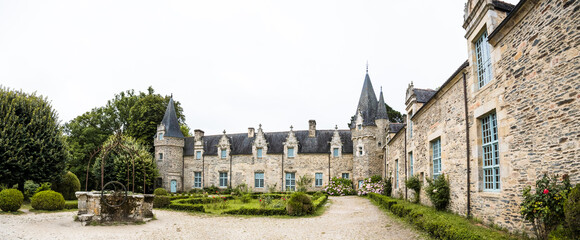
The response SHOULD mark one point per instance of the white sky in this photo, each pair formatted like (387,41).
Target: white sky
(232,64)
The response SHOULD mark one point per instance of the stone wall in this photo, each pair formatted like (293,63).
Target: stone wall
(135,209)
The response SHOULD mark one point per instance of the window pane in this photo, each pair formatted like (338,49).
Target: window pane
(259,153)
(483,56)
(335,152)
(224,152)
(491,173)
(345,175)
(318,179)
(290,182)
(290,152)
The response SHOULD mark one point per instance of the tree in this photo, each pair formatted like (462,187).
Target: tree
(119,163)
(394,115)
(31,142)
(136,115)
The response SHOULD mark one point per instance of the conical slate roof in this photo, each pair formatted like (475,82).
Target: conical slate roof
(382,108)
(170,121)
(367,103)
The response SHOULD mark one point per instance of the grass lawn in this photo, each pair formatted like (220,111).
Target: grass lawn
(221,206)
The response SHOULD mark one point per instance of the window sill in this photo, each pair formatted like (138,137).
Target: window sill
(490,194)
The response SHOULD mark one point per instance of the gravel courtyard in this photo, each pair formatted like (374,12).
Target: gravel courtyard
(346,218)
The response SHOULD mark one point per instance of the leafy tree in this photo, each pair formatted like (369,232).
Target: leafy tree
(136,115)
(119,167)
(394,115)
(31,141)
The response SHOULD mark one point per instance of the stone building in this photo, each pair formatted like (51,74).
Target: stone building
(506,116)
(274,159)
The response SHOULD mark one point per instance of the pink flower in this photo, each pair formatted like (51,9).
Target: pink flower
(546,191)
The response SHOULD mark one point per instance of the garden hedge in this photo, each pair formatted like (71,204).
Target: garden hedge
(319,202)
(443,225)
(161,201)
(11,200)
(187,207)
(71,205)
(257,211)
(47,200)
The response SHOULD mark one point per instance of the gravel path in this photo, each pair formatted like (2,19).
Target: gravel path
(346,218)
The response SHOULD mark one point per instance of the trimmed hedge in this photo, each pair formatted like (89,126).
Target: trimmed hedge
(71,205)
(439,224)
(67,185)
(257,211)
(11,200)
(160,192)
(299,204)
(47,200)
(202,200)
(187,207)
(319,202)
(161,201)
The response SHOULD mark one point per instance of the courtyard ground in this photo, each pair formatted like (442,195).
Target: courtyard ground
(346,218)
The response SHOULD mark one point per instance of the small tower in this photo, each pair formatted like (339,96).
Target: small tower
(382,121)
(169,143)
(365,135)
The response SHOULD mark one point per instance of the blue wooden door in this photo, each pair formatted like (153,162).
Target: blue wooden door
(173,186)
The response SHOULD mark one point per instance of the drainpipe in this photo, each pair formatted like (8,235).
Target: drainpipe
(405,153)
(231,173)
(467,146)
(203,170)
(282,185)
(182,172)
(329,153)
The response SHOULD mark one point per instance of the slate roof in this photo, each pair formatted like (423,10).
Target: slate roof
(367,103)
(170,121)
(241,144)
(423,95)
(395,127)
(503,6)
(382,108)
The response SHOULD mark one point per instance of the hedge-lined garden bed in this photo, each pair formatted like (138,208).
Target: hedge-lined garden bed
(443,225)
(255,204)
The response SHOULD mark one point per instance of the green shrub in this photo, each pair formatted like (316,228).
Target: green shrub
(71,205)
(47,200)
(299,204)
(572,211)
(11,200)
(388,190)
(161,201)
(257,211)
(241,190)
(317,195)
(67,185)
(211,190)
(303,183)
(187,207)
(246,198)
(438,192)
(160,192)
(43,187)
(319,202)
(414,183)
(376,178)
(544,207)
(30,189)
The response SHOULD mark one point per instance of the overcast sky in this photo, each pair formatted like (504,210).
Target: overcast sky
(231,64)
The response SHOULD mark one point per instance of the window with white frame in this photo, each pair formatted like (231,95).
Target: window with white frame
(290,181)
(318,180)
(197,155)
(223,179)
(259,152)
(411,163)
(160,136)
(345,175)
(335,152)
(197,179)
(160,156)
(491,175)
(290,152)
(259,180)
(436,150)
(483,56)
(224,153)
(396,173)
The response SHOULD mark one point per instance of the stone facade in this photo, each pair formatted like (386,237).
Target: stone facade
(533,92)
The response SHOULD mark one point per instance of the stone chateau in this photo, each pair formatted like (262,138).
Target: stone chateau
(506,116)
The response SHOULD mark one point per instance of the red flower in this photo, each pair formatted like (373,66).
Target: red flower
(260,200)
(546,191)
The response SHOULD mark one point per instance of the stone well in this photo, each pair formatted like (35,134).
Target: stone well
(137,208)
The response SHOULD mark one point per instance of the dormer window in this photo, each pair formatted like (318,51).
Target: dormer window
(291,152)
(259,152)
(223,153)
(359,126)
(160,136)
(483,56)
(335,152)
(197,155)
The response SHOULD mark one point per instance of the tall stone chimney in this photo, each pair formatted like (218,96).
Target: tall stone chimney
(312,128)
(198,133)
(251,132)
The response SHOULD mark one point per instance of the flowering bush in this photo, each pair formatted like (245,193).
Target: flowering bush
(371,185)
(339,187)
(544,207)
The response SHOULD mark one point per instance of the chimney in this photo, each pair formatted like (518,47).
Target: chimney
(198,134)
(251,132)
(311,128)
